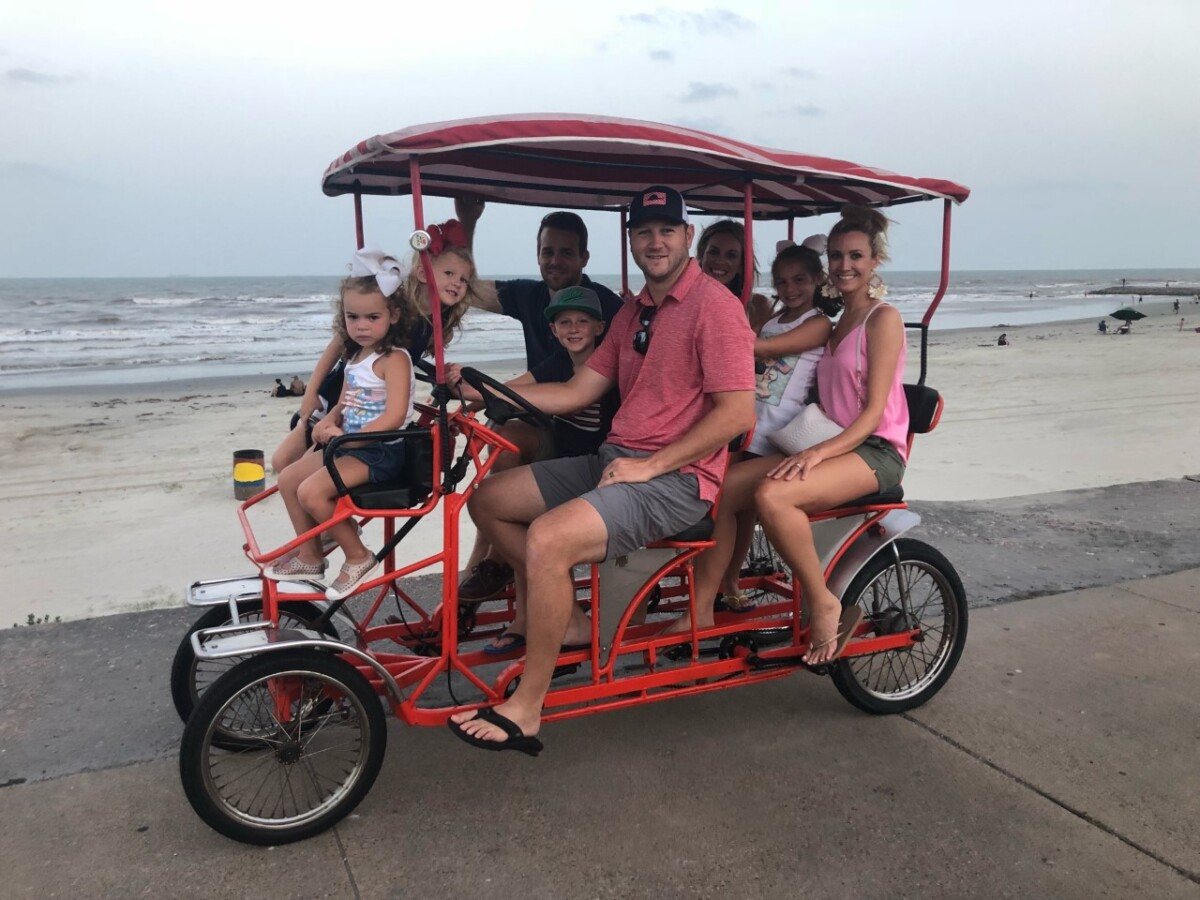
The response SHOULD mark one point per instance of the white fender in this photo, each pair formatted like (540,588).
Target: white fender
(894,523)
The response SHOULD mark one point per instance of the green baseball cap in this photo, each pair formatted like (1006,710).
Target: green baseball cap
(576,297)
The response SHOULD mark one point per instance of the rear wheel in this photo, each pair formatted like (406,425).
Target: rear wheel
(897,680)
(313,736)
(191,677)
(764,560)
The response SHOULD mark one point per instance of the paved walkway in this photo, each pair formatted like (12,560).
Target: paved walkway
(1060,761)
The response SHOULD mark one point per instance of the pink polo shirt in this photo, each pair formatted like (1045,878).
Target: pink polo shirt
(700,344)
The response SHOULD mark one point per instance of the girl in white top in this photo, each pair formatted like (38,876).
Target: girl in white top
(790,343)
(376,316)
(787,349)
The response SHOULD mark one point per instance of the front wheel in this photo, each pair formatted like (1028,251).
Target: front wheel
(312,737)
(893,681)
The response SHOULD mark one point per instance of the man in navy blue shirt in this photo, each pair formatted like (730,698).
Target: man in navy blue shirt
(562,254)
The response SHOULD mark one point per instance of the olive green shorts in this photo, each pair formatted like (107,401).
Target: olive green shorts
(884,461)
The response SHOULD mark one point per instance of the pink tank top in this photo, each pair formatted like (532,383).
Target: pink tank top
(842,387)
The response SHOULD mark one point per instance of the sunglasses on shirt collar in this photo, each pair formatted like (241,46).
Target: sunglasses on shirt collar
(641,340)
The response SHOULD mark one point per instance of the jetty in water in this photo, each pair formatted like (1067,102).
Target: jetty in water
(1182,289)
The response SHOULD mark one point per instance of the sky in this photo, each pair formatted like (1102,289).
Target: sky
(144,138)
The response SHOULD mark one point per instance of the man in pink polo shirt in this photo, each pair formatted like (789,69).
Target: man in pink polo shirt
(682,355)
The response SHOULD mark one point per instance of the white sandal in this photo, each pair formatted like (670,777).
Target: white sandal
(291,568)
(351,575)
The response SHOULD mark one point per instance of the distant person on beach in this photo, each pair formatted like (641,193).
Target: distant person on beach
(1002,341)
(1139,298)
(860,385)
(577,320)
(721,252)
(1175,305)
(1180,323)
(325,383)
(1123,328)
(1102,327)
(562,255)
(379,307)
(681,354)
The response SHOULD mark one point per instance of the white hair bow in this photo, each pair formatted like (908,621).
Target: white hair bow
(814,242)
(370,260)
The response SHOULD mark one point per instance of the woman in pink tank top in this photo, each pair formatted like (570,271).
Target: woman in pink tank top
(860,383)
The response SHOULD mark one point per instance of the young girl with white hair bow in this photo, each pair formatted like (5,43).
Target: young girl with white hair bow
(381,314)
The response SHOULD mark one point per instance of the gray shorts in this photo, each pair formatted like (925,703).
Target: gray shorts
(634,514)
(884,461)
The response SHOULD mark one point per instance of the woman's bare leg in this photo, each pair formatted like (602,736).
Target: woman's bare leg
(741,546)
(737,495)
(784,506)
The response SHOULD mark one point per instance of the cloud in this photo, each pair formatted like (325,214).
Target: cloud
(662,55)
(30,76)
(797,72)
(699,91)
(708,22)
(718,20)
(806,109)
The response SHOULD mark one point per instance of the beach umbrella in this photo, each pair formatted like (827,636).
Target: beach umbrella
(1127,315)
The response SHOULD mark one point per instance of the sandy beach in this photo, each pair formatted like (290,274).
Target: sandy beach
(116,497)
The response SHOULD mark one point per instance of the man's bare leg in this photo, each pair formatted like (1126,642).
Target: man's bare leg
(556,542)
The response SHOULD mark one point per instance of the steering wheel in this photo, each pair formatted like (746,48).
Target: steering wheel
(512,406)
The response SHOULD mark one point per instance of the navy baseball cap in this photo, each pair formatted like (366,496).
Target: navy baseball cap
(657,202)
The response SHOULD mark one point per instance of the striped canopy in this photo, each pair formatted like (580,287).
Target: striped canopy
(594,162)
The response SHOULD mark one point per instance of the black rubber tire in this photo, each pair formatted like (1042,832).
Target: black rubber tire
(897,680)
(344,716)
(189,679)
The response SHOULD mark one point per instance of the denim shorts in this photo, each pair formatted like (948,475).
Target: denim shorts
(633,514)
(384,462)
(884,461)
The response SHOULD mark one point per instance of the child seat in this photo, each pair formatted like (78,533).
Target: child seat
(414,484)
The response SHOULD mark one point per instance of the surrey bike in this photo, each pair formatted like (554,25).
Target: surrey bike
(281,690)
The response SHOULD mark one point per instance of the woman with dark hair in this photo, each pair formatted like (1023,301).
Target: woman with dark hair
(721,254)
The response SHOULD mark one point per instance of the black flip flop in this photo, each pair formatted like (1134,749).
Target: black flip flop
(517,739)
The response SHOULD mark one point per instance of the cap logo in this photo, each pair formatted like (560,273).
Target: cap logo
(654,198)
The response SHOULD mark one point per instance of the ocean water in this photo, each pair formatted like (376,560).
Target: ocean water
(61,332)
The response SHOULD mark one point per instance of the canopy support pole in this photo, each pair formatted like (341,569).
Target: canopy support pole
(624,251)
(942,283)
(358,220)
(435,302)
(748,246)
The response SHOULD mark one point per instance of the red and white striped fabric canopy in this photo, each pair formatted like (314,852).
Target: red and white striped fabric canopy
(595,162)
